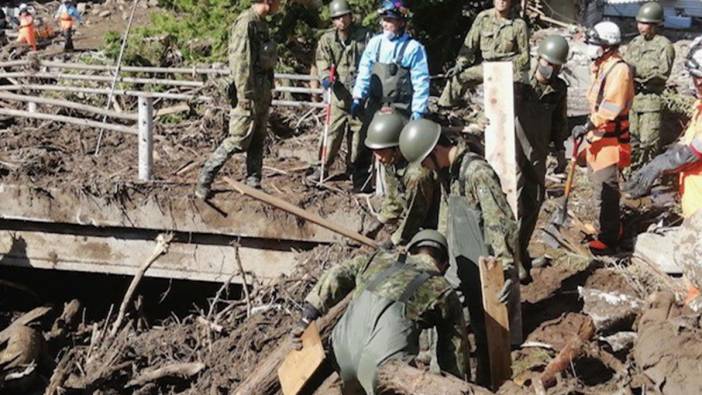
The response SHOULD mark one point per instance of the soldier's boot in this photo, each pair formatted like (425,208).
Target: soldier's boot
(254,181)
(210,169)
(202,189)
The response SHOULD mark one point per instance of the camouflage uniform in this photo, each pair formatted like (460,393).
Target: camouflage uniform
(542,120)
(252,58)
(688,250)
(491,39)
(472,180)
(345,55)
(652,61)
(412,200)
(380,281)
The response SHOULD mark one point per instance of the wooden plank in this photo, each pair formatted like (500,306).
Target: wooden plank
(292,209)
(123,254)
(500,147)
(75,121)
(496,321)
(98,91)
(300,366)
(103,78)
(68,104)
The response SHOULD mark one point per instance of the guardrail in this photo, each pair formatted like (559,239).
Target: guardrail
(145,116)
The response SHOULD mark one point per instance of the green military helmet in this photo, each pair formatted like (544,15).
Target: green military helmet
(339,8)
(554,49)
(418,139)
(650,13)
(428,238)
(384,131)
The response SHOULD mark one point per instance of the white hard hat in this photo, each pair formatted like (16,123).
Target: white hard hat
(22,7)
(604,34)
(693,62)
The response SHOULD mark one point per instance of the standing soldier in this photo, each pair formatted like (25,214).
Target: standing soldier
(496,35)
(340,49)
(542,120)
(652,57)
(67,15)
(27,32)
(252,57)
(395,297)
(393,71)
(607,130)
(479,220)
(413,193)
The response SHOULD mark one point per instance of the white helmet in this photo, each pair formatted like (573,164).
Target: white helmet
(22,7)
(693,62)
(604,34)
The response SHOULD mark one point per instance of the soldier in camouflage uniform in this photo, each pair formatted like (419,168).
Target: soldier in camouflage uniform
(542,117)
(688,250)
(342,48)
(652,57)
(479,222)
(252,57)
(412,196)
(496,35)
(394,298)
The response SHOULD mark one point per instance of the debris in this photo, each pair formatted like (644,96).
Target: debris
(658,249)
(183,370)
(25,319)
(610,311)
(620,341)
(572,350)
(396,377)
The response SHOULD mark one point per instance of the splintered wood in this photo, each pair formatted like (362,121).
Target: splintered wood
(500,148)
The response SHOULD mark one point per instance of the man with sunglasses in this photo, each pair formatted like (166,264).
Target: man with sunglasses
(339,50)
(393,71)
(652,56)
(496,35)
(542,125)
(606,131)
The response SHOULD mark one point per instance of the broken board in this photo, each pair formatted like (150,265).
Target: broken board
(500,145)
(300,366)
(496,321)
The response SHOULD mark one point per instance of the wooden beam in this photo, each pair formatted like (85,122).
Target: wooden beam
(99,91)
(134,69)
(306,215)
(68,104)
(74,121)
(496,321)
(500,146)
(102,78)
(15,63)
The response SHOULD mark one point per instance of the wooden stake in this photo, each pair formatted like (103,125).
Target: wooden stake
(146,137)
(292,209)
(500,147)
(496,321)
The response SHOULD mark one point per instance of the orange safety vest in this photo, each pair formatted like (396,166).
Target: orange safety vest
(610,96)
(66,21)
(27,34)
(691,177)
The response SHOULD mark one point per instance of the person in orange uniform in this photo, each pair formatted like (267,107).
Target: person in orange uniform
(68,16)
(27,33)
(607,130)
(686,156)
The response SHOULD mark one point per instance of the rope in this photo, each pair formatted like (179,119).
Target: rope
(116,76)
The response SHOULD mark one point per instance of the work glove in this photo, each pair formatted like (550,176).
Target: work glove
(580,131)
(309,314)
(506,292)
(327,83)
(456,69)
(416,115)
(673,160)
(356,108)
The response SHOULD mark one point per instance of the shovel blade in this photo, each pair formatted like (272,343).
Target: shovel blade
(551,233)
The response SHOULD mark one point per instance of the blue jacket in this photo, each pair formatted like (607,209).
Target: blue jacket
(415,58)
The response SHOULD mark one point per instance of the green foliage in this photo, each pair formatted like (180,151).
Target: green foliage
(193,31)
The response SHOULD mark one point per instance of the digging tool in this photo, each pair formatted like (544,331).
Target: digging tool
(292,209)
(558,218)
(327,122)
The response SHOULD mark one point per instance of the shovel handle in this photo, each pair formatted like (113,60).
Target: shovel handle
(571,167)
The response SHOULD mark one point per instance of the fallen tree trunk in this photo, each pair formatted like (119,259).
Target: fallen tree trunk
(399,378)
(570,352)
(263,379)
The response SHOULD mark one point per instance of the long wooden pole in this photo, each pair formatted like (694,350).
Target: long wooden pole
(292,209)
(68,104)
(104,78)
(99,91)
(71,120)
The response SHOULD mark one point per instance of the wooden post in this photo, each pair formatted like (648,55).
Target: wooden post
(146,137)
(496,321)
(500,147)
